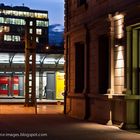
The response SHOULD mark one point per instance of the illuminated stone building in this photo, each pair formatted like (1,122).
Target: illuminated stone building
(102,61)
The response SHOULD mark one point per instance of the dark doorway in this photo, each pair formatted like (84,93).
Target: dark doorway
(79,67)
(103,63)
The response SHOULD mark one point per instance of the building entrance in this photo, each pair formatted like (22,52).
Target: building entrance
(50,87)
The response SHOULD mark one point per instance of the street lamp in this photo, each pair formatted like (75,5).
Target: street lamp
(47,47)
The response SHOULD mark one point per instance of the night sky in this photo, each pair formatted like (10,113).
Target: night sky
(55,8)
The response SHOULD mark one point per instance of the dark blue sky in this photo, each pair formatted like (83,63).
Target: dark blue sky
(55,8)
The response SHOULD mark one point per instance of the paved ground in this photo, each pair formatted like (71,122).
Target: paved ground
(53,125)
(21,100)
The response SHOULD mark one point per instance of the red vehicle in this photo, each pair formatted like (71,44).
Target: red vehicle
(9,85)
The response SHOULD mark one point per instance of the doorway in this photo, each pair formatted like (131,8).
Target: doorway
(103,63)
(50,86)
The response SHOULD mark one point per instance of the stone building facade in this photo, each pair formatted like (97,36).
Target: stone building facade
(102,61)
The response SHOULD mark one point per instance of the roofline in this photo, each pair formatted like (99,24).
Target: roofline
(19,8)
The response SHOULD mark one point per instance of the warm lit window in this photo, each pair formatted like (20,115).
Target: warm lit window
(15,38)
(31,31)
(39,31)
(7,38)
(25,14)
(6,29)
(31,23)
(15,13)
(12,21)
(37,39)
(20,13)
(12,38)
(32,14)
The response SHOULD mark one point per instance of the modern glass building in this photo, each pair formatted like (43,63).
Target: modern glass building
(49,61)
(12,27)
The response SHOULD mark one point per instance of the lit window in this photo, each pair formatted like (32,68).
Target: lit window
(20,13)
(12,21)
(24,14)
(31,23)
(7,38)
(1,29)
(16,13)
(39,31)
(1,20)
(27,14)
(42,23)
(12,38)
(31,14)
(36,15)
(31,31)
(46,24)
(37,39)
(6,29)
(15,38)
(22,22)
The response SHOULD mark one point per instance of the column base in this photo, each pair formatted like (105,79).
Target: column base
(109,122)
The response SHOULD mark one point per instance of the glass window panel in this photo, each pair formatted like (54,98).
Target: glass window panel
(12,38)
(31,31)
(6,29)
(49,61)
(37,39)
(4,86)
(61,61)
(42,23)
(7,38)
(39,31)
(31,23)
(1,20)
(25,14)
(31,14)
(15,86)
(18,58)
